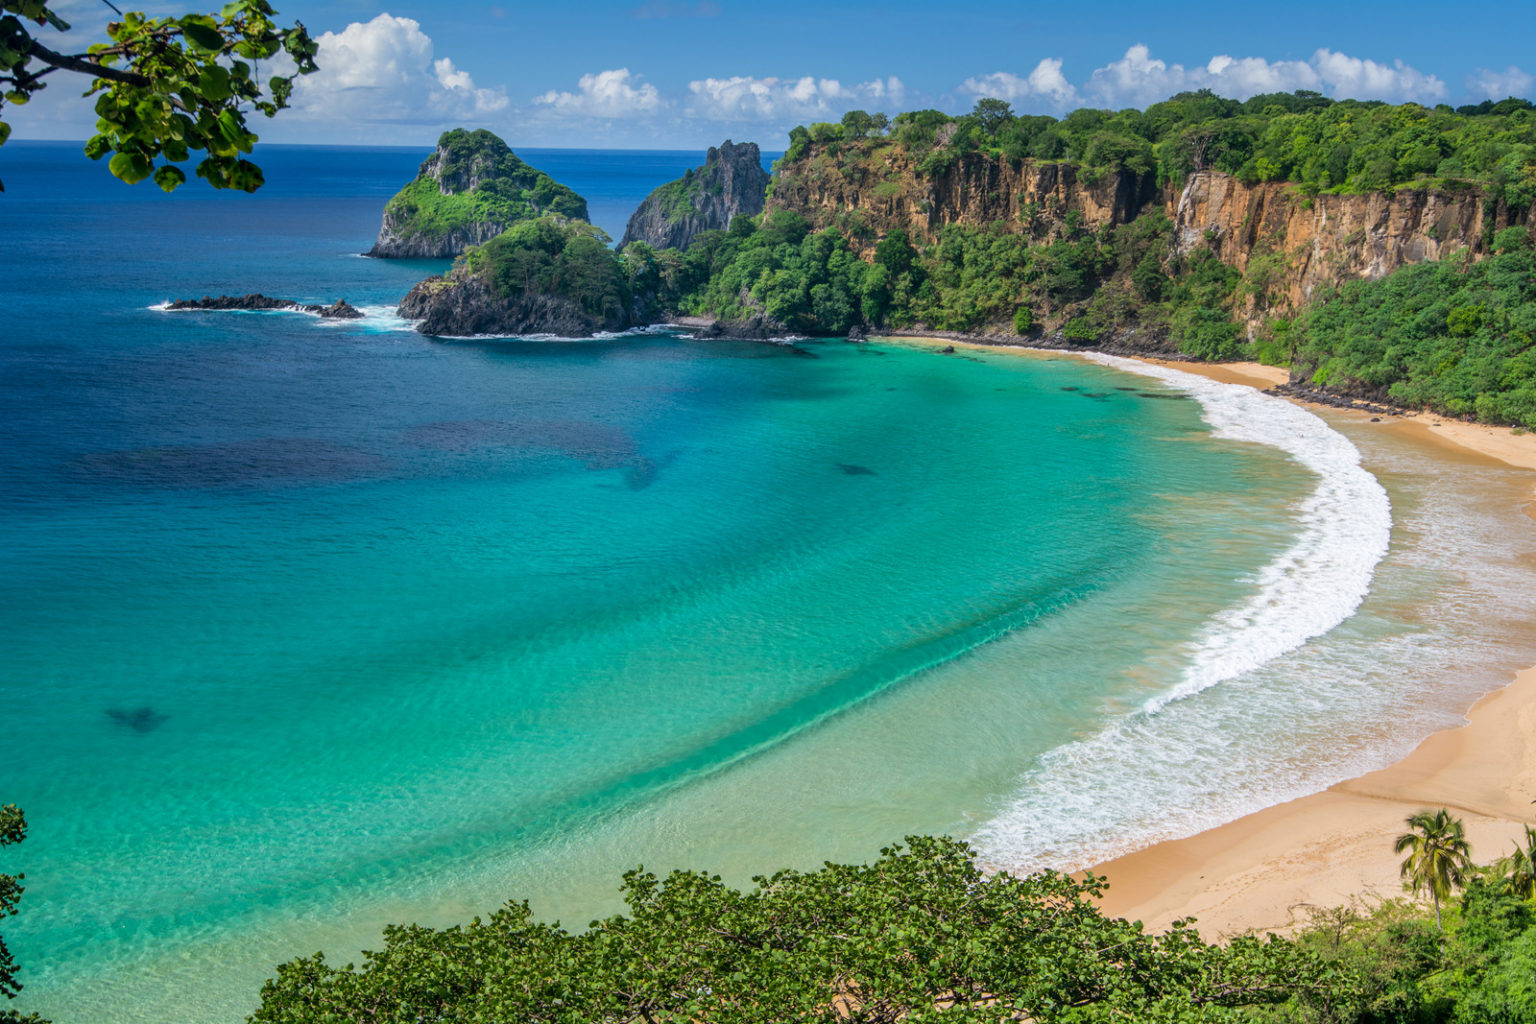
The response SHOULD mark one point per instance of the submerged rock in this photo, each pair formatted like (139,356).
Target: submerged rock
(341,309)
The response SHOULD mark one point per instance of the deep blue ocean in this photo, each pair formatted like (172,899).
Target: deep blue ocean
(314,626)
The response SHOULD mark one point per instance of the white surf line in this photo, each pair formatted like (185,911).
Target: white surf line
(1068,808)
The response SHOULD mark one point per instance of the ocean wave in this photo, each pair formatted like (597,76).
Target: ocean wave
(1087,800)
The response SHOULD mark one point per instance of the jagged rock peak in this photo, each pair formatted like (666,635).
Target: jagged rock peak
(471,189)
(731,182)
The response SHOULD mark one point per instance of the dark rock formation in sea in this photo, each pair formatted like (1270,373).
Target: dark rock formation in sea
(463,303)
(732,181)
(338,310)
(467,192)
(754,328)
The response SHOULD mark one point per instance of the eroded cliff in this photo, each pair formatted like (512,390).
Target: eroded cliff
(1319,241)
(731,182)
(868,194)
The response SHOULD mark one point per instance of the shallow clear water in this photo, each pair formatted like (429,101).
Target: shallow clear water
(423,626)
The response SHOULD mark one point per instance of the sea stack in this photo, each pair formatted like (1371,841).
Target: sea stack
(466,193)
(732,181)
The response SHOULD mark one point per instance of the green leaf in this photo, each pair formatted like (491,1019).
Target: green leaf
(56,21)
(202,36)
(214,83)
(5,132)
(17,98)
(130,167)
(169,177)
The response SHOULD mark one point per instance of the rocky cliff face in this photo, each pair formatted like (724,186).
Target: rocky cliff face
(471,189)
(885,191)
(1312,242)
(1321,241)
(732,181)
(462,303)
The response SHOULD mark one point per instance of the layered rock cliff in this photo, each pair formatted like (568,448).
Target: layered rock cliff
(1311,242)
(471,189)
(1324,240)
(884,190)
(731,182)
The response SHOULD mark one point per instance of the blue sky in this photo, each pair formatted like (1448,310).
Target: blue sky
(681,74)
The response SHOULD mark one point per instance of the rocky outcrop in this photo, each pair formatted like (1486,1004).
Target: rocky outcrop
(731,182)
(757,327)
(462,304)
(1323,240)
(871,194)
(338,310)
(471,189)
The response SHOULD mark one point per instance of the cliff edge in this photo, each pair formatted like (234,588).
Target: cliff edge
(471,189)
(732,181)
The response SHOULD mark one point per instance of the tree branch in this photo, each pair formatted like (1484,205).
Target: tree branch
(86,67)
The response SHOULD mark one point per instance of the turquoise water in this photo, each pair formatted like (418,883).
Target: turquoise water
(311,627)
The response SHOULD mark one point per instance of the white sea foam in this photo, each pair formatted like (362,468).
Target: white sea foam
(1089,799)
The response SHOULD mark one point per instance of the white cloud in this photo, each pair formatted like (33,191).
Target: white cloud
(765,99)
(385,71)
(616,93)
(1359,79)
(1138,78)
(1498,85)
(1045,83)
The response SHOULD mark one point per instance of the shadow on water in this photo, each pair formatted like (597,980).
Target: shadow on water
(140,720)
(262,461)
(597,446)
(849,469)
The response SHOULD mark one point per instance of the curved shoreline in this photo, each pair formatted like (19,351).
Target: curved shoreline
(1264,870)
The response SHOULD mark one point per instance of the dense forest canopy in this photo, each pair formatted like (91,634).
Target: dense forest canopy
(1320,144)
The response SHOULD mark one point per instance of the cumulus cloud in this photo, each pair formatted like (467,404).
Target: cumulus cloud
(746,98)
(1360,79)
(1498,85)
(385,71)
(1046,84)
(616,93)
(1138,78)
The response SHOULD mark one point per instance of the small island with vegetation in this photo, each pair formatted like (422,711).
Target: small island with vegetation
(471,189)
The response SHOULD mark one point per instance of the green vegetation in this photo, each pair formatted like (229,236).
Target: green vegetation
(1453,336)
(13,829)
(679,199)
(165,87)
(920,934)
(571,259)
(483,181)
(1323,145)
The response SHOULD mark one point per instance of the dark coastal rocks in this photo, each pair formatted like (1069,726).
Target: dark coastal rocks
(754,328)
(731,182)
(1318,396)
(462,305)
(341,309)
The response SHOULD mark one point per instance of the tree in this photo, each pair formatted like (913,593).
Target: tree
(921,934)
(1438,854)
(1520,867)
(13,829)
(992,114)
(164,87)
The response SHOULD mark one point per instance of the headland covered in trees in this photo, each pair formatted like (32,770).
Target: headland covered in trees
(1289,228)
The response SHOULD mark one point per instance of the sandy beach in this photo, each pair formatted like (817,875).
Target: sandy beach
(1265,871)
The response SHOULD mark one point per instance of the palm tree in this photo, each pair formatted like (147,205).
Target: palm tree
(1520,867)
(1437,854)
